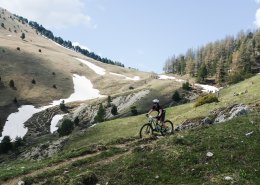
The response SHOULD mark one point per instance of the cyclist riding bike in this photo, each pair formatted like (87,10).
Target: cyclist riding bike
(161,112)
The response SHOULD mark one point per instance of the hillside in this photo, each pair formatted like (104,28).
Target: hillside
(111,152)
(42,72)
(215,143)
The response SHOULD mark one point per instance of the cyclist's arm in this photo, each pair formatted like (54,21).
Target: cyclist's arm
(150,111)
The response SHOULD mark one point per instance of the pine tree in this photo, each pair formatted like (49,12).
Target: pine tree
(23,36)
(202,73)
(114,110)
(6,144)
(176,96)
(100,117)
(109,101)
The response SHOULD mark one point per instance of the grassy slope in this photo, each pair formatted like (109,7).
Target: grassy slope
(185,151)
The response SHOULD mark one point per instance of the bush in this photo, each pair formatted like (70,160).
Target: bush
(11,83)
(62,105)
(53,73)
(87,177)
(15,100)
(134,110)
(54,86)
(131,87)
(18,48)
(210,98)
(186,86)
(5,145)
(18,142)
(114,110)
(176,96)
(23,36)
(66,127)
(3,25)
(33,81)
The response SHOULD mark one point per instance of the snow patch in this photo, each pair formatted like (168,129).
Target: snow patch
(135,78)
(95,68)
(9,35)
(55,121)
(208,88)
(165,77)
(14,126)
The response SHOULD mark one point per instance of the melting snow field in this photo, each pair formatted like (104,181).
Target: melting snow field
(165,77)
(95,68)
(136,78)
(14,126)
(208,88)
(55,121)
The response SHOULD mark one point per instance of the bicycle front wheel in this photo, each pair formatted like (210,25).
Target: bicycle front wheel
(168,128)
(146,131)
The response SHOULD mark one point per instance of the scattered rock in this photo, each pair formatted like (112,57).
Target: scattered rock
(21,183)
(249,133)
(232,112)
(228,178)
(209,154)
(206,121)
(44,150)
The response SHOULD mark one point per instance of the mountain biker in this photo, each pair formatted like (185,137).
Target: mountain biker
(161,112)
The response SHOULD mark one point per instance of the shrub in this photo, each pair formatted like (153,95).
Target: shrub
(15,100)
(11,83)
(40,50)
(176,96)
(131,87)
(134,110)
(186,86)
(33,81)
(62,105)
(87,177)
(18,48)
(2,25)
(66,127)
(53,73)
(5,145)
(18,142)
(235,78)
(114,110)
(23,36)
(210,98)
(54,86)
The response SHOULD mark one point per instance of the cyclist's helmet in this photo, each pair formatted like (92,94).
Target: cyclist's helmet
(156,101)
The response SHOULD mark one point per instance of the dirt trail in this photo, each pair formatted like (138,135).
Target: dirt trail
(128,145)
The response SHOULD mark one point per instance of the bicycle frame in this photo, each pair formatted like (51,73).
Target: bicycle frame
(155,125)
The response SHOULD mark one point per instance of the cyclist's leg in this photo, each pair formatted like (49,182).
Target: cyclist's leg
(162,119)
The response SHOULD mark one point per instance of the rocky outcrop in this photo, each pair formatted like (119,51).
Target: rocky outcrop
(232,112)
(216,116)
(86,113)
(44,150)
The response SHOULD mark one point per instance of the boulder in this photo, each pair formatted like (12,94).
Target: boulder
(232,112)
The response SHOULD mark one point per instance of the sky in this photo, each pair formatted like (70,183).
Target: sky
(140,33)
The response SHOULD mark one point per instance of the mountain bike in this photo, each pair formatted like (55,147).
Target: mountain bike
(148,129)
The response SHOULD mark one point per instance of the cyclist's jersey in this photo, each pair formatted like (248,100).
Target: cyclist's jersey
(157,108)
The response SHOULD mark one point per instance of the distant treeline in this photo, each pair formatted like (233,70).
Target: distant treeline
(68,44)
(226,61)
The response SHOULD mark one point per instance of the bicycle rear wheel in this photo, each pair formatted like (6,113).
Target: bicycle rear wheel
(146,131)
(168,128)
